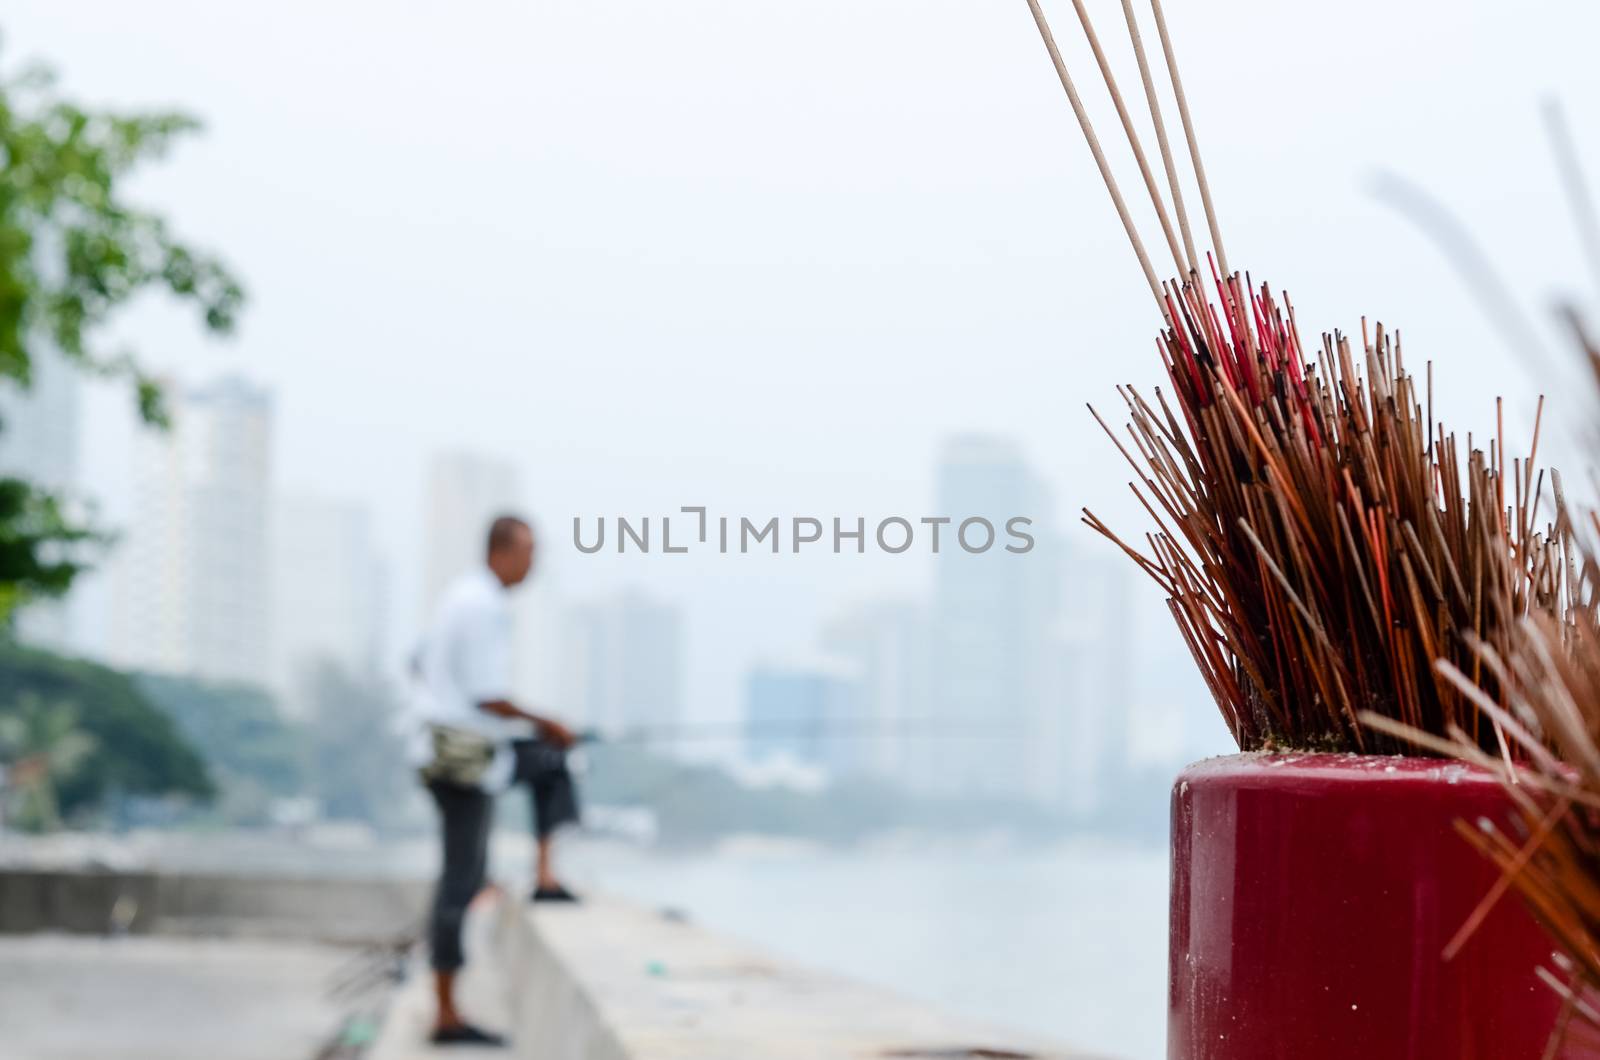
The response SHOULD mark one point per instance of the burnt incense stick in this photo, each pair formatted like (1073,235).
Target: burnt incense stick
(1491,294)
(1579,201)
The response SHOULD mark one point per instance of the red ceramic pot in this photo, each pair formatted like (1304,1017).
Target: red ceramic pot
(1312,899)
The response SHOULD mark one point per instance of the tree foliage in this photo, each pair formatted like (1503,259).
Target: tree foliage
(94,730)
(345,753)
(254,754)
(73,251)
(36,542)
(42,743)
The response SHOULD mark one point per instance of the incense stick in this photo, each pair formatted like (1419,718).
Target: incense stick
(1344,574)
(1189,135)
(1132,134)
(1168,162)
(1099,155)
(1312,540)
(1310,526)
(1579,201)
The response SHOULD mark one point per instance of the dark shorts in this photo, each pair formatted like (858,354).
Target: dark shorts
(543,769)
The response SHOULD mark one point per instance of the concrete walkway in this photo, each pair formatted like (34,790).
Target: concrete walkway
(85,998)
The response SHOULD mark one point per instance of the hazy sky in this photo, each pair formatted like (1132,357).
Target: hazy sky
(764,256)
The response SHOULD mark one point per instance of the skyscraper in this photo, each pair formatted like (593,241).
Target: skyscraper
(39,442)
(797,712)
(993,615)
(465,492)
(1094,655)
(623,663)
(193,583)
(328,593)
(886,644)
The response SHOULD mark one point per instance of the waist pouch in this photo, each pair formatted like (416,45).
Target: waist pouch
(460,757)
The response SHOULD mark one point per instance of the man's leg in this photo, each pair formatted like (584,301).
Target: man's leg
(464,824)
(544,873)
(554,798)
(555,804)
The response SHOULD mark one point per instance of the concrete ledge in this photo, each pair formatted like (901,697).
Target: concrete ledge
(607,981)
(143,903)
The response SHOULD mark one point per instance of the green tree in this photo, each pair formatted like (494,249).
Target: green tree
(254,754)
(73,251)
(122,743)
(37,544)
(43,745)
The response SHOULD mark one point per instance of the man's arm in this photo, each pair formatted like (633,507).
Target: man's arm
(483,661)
(548,728)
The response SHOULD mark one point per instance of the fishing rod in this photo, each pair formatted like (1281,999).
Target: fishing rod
(798,729)
(856,729)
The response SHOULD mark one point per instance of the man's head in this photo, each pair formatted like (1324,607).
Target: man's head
(510,549)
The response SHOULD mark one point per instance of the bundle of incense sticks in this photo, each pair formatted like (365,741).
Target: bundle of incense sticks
(1548,680)
(1320,539)
(1552,678)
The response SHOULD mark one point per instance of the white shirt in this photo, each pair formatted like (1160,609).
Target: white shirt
(465,660)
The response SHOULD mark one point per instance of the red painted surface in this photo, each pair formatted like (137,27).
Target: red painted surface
(1312,898)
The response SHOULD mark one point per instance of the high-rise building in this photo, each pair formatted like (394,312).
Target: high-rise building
(887,646)
(1094,651)
(624,663)
(39,442)
(799,712)
(466,491)
(328,593)
(993,615)
(193,583)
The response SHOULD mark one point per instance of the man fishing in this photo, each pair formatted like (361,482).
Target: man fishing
(471,742)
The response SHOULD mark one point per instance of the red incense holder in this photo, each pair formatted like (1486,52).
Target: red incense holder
(1312,900)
